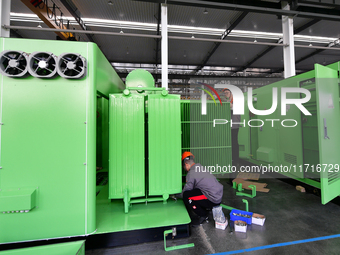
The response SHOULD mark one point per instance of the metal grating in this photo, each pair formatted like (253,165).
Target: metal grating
(164,124)
(333,176)
(292,159)
(210,145)
(126,146)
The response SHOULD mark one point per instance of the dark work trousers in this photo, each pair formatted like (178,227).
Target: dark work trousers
(234,146)
(195,200)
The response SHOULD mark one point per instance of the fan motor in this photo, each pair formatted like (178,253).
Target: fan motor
(42,64)
(71,65)
(13,63)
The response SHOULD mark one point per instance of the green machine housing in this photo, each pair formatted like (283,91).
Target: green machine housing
(64,112)
(308,150)
(48,137)
(145,142)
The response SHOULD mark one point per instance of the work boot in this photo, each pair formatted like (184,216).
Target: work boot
(199,221)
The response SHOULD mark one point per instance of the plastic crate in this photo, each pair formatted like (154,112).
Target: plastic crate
(235,217)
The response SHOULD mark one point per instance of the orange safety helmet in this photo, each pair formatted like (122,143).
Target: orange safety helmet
(187,154)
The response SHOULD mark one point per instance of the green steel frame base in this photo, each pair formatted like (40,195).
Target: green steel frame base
(129,201)
(111,216)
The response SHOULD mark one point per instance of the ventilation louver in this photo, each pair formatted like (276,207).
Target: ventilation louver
(42,64)
(71,66)
(13,63)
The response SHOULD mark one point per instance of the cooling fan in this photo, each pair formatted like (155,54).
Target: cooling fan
(13,63)
(42,64)
(71,66)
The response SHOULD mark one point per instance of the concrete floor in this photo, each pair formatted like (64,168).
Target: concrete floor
(290,216)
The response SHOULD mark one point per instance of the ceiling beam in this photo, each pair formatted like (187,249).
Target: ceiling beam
(257,57)
(190,76)
(270,48)
(224,35)
(72,11)
(49,17)
(305,26)
(319,4)
(258,7)
(308,56)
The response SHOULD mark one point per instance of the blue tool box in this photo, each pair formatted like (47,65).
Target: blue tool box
(243,218)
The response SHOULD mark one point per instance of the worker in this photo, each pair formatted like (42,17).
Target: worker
(202,191)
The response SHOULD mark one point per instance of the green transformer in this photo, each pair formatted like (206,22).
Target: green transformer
(144,144)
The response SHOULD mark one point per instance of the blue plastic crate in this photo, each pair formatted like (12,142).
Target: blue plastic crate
(245,219)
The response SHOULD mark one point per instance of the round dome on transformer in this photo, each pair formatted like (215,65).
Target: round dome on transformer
(140,78)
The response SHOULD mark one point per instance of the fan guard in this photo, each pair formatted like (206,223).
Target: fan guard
(42,64)
(13,63)
(71,66)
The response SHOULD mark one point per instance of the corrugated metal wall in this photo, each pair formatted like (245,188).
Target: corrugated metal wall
(126,146)
(164,124)
(210,145)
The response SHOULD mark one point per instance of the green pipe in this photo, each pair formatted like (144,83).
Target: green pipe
(142,200)
(145,88)
(228,207)
(246,202)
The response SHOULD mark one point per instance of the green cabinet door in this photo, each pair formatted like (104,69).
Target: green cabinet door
(327,91)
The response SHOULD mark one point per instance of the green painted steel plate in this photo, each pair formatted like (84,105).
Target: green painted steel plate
(126,146)
(70,248)
(164,136)
(111,216)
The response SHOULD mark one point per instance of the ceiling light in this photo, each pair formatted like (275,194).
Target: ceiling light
(117,24)
(192,36)
(255,40)
(310,44)
(121,31)
(205,11)
(39,26)
(109,3)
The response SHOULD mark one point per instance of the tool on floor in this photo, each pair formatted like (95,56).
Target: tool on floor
(173,231)
(253,192)
(230,228)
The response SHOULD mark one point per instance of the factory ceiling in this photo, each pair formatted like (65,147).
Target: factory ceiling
(206,38)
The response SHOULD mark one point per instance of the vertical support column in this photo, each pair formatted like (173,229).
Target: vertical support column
(164,22)
(5,9)
(288,39)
